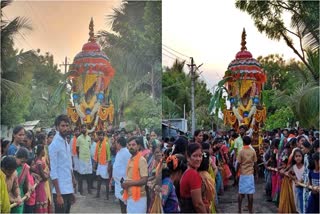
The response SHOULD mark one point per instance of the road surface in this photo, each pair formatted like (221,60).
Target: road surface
(227,202)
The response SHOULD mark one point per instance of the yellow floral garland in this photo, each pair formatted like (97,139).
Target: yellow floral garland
(229,117)
(247,108)
(72,114)
(84,105)
(106,113)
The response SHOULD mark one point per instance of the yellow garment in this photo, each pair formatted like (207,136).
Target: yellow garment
(213,202)
(245,86)
(47,170)
(4,196)
(89,81)
(286,203)
(157,204)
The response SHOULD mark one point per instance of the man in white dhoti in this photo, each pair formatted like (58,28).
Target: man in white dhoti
(119,170)
(102,157)
(85,165)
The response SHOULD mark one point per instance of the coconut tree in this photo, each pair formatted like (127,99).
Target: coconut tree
(133,52)
(13,60)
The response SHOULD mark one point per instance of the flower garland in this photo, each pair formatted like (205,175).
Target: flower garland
(252,111)
(236,113)
(80,113)
(95,108)
(91,103)
(95,124)
(247,108)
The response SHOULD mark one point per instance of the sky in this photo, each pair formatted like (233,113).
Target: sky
(207,30)
(210,32)
(59,27)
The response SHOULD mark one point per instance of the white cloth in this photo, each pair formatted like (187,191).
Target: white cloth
(92,149)
(119,170)
(299,174)
(75,163)
(137,206)
(61,164)
(102,170)
(75,158)
(85,167)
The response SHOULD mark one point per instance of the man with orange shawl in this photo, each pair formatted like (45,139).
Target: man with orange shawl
(75,159)
(136,179)
(102,157)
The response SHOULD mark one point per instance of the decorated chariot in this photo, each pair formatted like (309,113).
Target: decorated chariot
(244,81)
(90,76)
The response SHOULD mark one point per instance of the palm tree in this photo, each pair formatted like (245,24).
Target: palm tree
(10,59)
(304,102)
(125,48)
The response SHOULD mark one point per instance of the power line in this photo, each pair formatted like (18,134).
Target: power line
(30,14)
(174,55)
(168,56)
(176,51)
(205,80)
(37,18)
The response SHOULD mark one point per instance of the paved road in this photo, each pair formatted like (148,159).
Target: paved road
(228,202)
(90,204)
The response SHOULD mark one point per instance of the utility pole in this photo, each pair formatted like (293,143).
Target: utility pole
(193,79)
(65,65)
(193,73)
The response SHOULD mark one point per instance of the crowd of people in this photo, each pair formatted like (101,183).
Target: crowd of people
(41,172)
(291,160)
(198,170)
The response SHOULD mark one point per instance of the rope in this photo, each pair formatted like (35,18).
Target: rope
(25,197)
(297,182)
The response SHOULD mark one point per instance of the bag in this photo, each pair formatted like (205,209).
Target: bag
(157,204)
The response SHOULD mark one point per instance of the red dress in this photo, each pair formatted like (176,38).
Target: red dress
(190,180)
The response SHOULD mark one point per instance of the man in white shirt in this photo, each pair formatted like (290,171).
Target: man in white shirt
(61,167)
(119,169)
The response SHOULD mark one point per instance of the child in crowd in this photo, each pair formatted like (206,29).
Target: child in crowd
(314,179)
(297,169)
(8,167)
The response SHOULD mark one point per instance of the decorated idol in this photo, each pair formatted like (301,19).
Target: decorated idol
(244,83)
(90,75)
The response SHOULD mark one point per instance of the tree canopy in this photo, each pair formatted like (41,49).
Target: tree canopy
(134,48)
(176,93)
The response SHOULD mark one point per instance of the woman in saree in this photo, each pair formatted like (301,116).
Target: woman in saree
(42,139)
(208,183)
(154,168)
(38,168)
(23,175)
